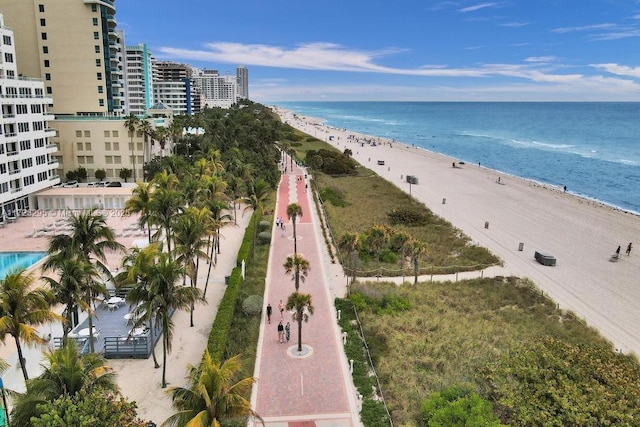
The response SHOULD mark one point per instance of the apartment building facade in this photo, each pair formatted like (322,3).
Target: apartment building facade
(26,162)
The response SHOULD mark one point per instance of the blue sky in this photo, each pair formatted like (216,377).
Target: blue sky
(402,50)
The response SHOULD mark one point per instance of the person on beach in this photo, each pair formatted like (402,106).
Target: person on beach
(280,332)
(281,308)
(283,231)
(618,251)
(565,188)
(269,311)
(629,249)
(287,331)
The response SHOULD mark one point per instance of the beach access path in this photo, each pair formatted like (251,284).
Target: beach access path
(503,216)
(314,387)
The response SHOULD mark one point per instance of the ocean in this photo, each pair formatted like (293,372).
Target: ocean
(592,148)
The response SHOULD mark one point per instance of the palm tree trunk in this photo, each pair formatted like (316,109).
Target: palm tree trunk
(21,359)
(299,331)
(156,365)
(91,348)
(295,240)
(164,360)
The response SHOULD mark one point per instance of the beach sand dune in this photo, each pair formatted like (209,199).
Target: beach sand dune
(581,234)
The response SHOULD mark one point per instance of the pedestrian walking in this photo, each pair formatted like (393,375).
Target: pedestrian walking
(283,231)
(287,331)
(269,310)
(618,251)
(281,308)
(629,249)
(280,332)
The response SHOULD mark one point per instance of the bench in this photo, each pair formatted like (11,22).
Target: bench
(545,259)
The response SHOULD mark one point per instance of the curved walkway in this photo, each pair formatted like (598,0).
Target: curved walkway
(314,387)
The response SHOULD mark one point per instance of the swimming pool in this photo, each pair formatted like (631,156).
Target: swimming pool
(12,261)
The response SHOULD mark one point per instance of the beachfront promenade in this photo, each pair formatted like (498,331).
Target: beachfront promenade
(314,387)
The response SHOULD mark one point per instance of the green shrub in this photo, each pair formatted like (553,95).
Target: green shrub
(333,195)
(457,406)
(264,225)
(264,237)
(408,217)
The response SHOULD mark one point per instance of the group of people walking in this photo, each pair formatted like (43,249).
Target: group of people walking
(629,246)
(284,331)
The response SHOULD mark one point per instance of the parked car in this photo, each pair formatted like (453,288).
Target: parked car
(70,184)
(114,184)
(92,184)
(103,184)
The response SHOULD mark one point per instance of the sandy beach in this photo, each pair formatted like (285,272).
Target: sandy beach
(512,212)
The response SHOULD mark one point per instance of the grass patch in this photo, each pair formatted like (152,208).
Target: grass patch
(450,331)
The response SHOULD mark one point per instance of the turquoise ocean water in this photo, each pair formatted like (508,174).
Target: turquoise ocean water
(592,148)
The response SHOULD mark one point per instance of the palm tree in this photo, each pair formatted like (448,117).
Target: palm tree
(161,135)
(258,190)
(293,212)
(73,273)
(376,238)
(403,242)
(131,122)
(191,236)
(137,266)
(90,237)
(164,206)
(140,202)
(146,129)
(302,306)
(296,264)
(417,249)
(66,373)
(350,244)
(23,307)
(168,297)
(213,396)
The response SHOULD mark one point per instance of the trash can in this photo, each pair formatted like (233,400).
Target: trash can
(226,279)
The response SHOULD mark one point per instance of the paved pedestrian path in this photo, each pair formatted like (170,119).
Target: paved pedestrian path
(314,387)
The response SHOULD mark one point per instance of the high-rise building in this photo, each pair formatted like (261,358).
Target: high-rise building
(138,79)
(242,79)
(26,162)
(218,91)
(73,46)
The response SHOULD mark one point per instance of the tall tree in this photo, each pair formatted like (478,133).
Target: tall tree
(350,244)
(302,306)
(140,202)
(299,266)
(377,237)
(213,397)
(131,122)
(168,297)
(66,373)
(417,249)
(294,211)
(147,130)
(73,274)
(24,307)
(89,239)
(258,191)
(165,205)
(192,228)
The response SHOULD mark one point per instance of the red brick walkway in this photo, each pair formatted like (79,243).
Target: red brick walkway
(301,391)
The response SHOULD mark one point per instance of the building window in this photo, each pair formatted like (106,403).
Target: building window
(23,127)
(43,36)
(78,134)
(8,57)
(47,76)
(97,48)
(98,62)
(101,102)
(11,74)
(21,109)
(46,63)
(99,76)
(95,22)
(96,35)
(116,145)
(43,22)
(87,134)
(41,8)
(45,49)
(107,133)
(49,90)
(115,133)
(94,8)
(117,160)
(79,146)
(6,40)
(81,160)
(107,146)
(90,160)
(87,146)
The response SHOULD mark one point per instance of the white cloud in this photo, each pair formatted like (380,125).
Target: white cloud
(542,59)
(583,28)
(620,70)
(477,7)
(515,24)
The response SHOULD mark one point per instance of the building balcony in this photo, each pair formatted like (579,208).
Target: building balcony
(15,171)
(16,190)
(11,135)
(50,132)
(12,153)
(52,147)
(54,177)
(8,115)
(48,117)
(53,163)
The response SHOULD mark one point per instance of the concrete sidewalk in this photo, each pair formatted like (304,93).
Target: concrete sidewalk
(313,387)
